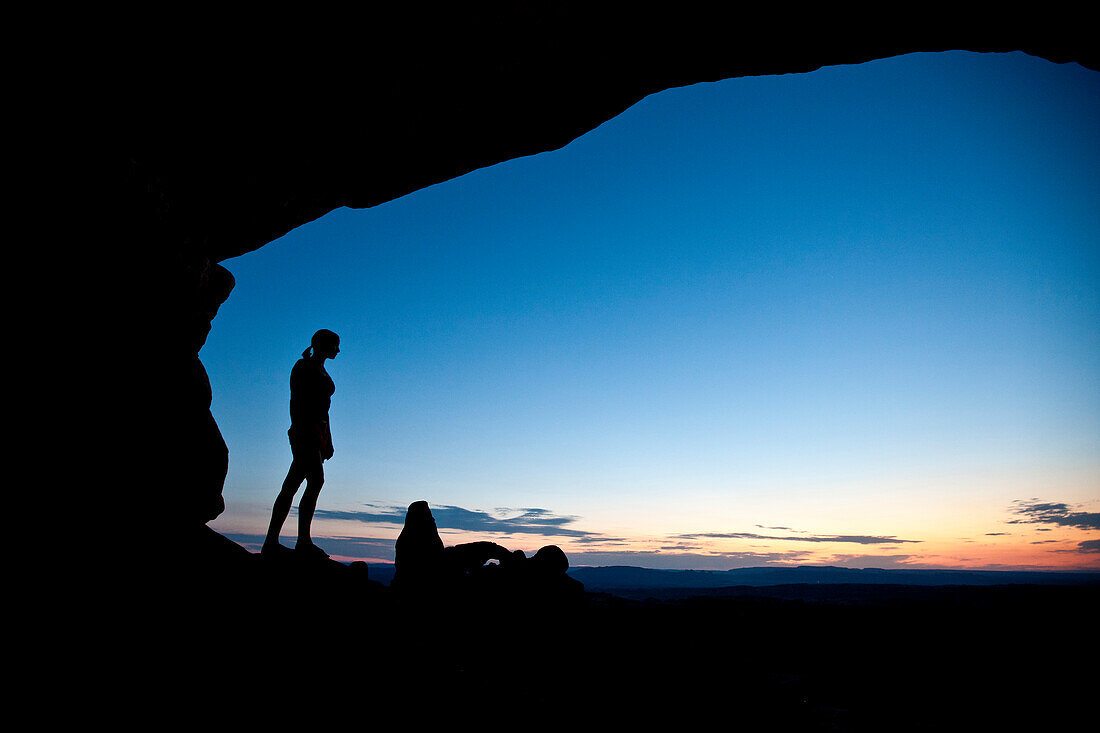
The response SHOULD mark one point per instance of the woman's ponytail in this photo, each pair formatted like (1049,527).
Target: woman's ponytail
(325,340)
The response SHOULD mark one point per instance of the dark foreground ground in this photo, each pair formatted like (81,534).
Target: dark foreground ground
(297,644)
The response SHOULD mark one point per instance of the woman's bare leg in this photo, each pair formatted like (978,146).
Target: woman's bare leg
(314,481)
(279,512)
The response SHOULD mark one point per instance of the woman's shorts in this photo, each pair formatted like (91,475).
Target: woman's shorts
(305,448)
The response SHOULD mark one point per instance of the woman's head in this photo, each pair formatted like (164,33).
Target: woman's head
(324,343)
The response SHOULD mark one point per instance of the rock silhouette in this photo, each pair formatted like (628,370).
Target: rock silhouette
(428,572)
(790,657)
(208,171)
(418,560)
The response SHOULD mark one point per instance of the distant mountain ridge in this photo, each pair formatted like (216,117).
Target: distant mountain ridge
(622,577)
(618,577)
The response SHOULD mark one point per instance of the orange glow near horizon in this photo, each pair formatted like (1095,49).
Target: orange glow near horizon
(1020,546)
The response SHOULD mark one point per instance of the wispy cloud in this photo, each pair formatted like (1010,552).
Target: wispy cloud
(882,562)
(729,560)
(1089,546)
(372,548)
(1057,514)
(687,560)
(857,539)
(1036,511)
(527,520)
(373,514)
(597,539)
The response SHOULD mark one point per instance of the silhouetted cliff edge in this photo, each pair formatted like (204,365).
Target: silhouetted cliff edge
(220,623)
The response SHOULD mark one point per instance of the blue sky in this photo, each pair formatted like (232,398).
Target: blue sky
(860,302)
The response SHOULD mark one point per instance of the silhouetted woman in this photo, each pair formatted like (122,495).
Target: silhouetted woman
(311,390)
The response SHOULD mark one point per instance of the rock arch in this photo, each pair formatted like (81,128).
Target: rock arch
(230,138)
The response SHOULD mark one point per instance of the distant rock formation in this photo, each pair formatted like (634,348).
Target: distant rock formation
(482,578)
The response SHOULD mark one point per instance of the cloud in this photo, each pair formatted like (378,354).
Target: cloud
(600,540)
(249,541)
(374,514)
(857,539)
(360,547)
(881,562)
(366,548)
(997,534)
(1035,511)
(1089,546)
(731,560)
(686,560)
(526,521)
